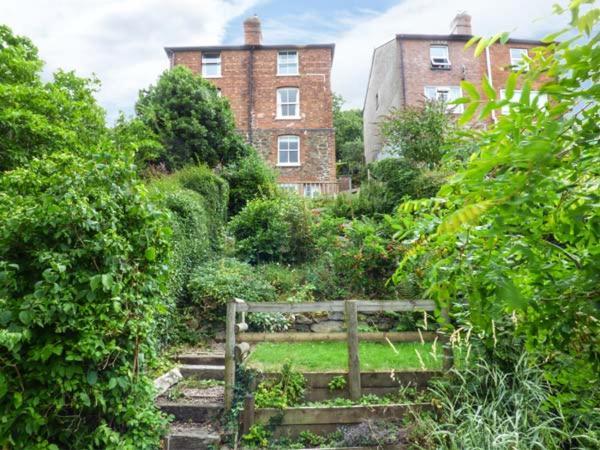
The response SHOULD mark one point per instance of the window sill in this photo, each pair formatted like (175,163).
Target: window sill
(212,76)
(288,165)
(441,67)
(288,118)
(288,74)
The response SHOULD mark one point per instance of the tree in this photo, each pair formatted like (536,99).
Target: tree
(349,147)
(193,123)
(418,134)
(82,269)
(38,118)
(512,241)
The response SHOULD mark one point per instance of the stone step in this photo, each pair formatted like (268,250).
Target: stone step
(191,436)
(203,371)
(207,359)
(190,412)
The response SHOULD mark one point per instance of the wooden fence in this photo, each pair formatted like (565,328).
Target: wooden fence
(351,308)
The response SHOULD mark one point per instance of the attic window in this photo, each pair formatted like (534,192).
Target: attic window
(438,54)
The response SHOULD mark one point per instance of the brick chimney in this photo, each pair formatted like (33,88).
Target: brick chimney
(461,24)
(252,33)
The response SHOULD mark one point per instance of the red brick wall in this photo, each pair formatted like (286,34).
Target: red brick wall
(418,72)
(315,125)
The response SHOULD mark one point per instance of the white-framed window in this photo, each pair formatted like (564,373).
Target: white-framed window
(211,65)
(541,99)
(445,94)
(287,62)
(312,190)
(439,57)
(288,150)
(292,187)
(288,103)
(517,58)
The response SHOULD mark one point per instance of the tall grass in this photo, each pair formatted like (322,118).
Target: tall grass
(484,407)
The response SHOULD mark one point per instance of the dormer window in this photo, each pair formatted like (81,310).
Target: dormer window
(438,54)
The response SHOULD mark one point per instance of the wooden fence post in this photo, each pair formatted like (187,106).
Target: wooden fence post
(448,353)
(248,414)
(353,357)
(229,354)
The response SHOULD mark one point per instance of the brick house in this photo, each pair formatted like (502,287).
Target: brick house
(413,67)
(282,102)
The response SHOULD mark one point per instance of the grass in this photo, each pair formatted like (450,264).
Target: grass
(333,356)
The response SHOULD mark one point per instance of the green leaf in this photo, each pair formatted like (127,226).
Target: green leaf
(151,253)
(468,114)
(504,37)
(511,83)
(525,94)
(92,377)
(25,317)
(107,281)
(510,295)
(481,46)
(470,89)
(17,399)
(3,386)
(472,41)
(489,90)
(112,383)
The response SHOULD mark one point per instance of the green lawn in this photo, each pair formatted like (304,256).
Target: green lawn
(332,356)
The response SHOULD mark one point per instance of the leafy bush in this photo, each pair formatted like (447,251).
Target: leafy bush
(269,322)
(257,436)
(287,389)
(215,283)
(215,196)
(249,177)
(418,133)
(356,257)
(273,229)
(193,123)
(82,258)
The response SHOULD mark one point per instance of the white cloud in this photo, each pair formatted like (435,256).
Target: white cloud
(121,41)
(354,47)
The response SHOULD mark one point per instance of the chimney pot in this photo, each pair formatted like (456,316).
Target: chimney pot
(252,31)
(461,24)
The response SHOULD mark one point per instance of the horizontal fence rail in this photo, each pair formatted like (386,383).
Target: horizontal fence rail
(350,308)
(338,306)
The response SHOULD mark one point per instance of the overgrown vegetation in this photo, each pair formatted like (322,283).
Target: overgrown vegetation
(82,269)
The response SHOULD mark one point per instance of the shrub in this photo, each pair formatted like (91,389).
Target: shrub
(287,389)
(273,229)
(215,195)
(215,283)
(268,322)
(249,177)
(82,257)
(193,123)
(357,257)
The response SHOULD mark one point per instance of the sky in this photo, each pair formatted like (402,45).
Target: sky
(122,41)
